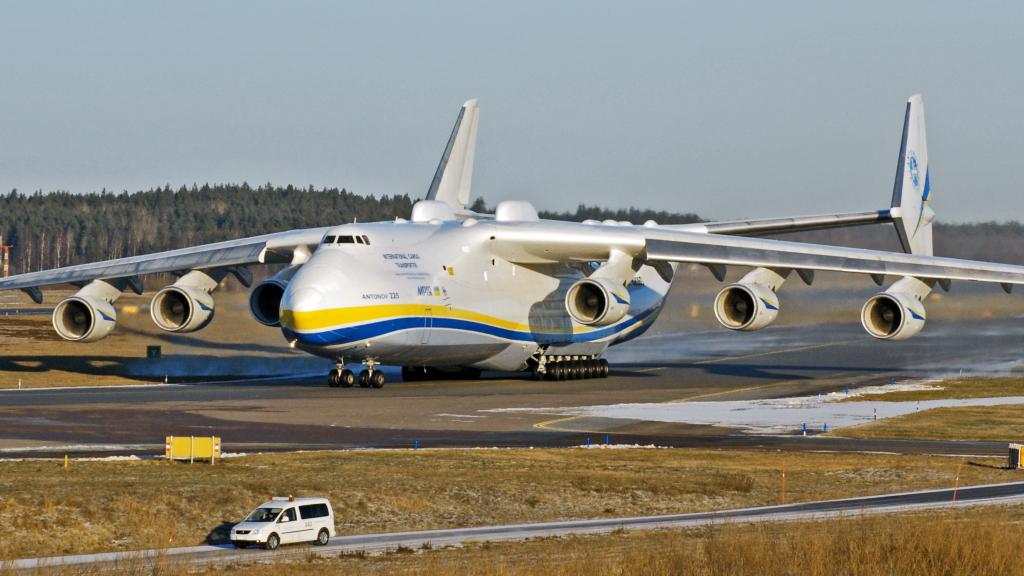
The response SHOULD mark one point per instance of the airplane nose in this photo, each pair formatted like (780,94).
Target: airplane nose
(297,304)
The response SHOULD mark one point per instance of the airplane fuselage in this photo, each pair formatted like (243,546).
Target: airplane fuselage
(437,294)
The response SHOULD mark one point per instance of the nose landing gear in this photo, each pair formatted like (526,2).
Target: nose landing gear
(371,378)
(341,377)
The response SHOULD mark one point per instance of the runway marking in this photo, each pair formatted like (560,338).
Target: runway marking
(550,425)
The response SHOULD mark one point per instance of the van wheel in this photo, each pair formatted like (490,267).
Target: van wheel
(323,537)
(272,542)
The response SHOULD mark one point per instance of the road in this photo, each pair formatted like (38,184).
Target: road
(301,412)
(990,494)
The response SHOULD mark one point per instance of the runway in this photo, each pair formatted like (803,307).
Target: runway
(302,412)
(990,494)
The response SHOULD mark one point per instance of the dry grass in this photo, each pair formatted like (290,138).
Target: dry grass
(968,541)
(995,423)
(143,504)
(959,388)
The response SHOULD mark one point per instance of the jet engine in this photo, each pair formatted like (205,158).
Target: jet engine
(597,301)
(265,298)
(751,303)
(186,305)
(84,318)
(746,306)
(893,316)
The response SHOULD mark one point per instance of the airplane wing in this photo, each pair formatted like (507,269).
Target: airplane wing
(551,242)
(281,247)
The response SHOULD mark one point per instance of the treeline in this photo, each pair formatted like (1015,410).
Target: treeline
(61,229)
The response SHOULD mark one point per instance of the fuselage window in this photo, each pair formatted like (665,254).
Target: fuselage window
(328,239)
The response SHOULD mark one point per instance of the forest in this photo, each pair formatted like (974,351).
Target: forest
(49,230)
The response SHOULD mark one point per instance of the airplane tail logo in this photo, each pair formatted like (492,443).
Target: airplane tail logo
(912,189)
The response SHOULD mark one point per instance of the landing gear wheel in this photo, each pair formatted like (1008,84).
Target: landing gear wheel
(604,369)
(589,368)
(364,379)
(347,379)
(322,538)
(334,378)
(272,542)
(377,379)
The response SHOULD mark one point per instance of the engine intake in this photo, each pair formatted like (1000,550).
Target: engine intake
(84,318)
(265,298)
(181,309)
(746,307)
(893,316)
(265,302)
(597,302)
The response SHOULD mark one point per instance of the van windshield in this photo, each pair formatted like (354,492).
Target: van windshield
(263,515)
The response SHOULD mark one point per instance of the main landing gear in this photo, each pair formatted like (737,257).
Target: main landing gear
(559,369)
(342,377)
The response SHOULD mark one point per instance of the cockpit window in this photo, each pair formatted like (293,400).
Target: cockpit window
(328,239)
(366,239)
(346,240)
(359,239)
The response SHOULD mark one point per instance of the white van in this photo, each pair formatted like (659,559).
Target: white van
(285,521)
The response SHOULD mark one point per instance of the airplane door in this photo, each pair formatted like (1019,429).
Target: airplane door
(428,324)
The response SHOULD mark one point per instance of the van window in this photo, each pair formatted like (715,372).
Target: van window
(313,511)
(288,516)
(263,515)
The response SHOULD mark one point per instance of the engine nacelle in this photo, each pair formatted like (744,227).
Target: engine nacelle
(265,298)
(84,318)
(597,301)
(893,316)
(746,306)
(179,308)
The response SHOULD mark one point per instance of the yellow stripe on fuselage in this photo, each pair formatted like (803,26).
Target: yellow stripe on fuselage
(314,320)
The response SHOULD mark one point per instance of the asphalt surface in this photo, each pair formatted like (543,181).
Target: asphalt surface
(290,412)
(378,543)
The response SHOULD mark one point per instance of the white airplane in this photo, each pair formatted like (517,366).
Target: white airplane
(449,289)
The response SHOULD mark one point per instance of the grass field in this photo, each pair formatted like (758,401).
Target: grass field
(123,505)
(985,541)
(974,387)
(966,541)
(995,423)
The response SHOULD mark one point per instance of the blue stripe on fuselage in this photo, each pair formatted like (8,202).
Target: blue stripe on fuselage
(349,334)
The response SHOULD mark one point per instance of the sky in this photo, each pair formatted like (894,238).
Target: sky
(727,109)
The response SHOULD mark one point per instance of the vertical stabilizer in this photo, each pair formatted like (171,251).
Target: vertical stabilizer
(912,190)
(451,183)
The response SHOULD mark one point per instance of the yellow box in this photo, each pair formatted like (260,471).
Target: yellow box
(192,448)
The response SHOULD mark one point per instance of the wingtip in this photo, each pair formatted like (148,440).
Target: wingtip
(471,103)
